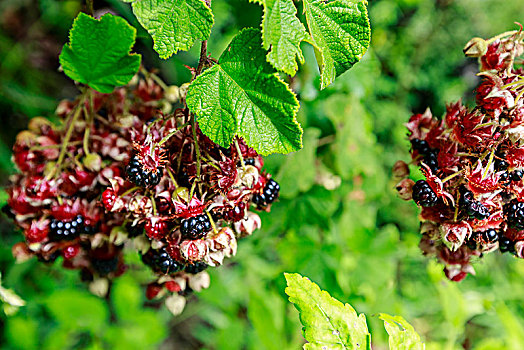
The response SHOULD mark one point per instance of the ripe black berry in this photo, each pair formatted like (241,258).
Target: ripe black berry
(516,175)
(471,243)
(269,194)
(477,210)
(420,145)
(514,212)
(195,227)
(134,231)
(490,236)
(195,268)
(430,159)
(66,230)
(105,266)
(139,175)
(504,177)
(160,260)
(506,245)
(501,164)
(423,195)
(249,161)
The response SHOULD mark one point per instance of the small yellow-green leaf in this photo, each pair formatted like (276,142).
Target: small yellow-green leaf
(328,324)
(402,335)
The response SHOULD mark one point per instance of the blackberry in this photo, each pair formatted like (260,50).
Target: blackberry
(139,175)
(467,196)
(248,161)
(471,243)
(134,231)
(504,177)
(514,212)
(490,236)
(86,275)
(516,175)
(477,210)
(105,266)
(183,180)
(501,164)
(421,146)
(160,260)
(195,227)
(196,267)
(423,195)
(430,159)
(66,230)
(506,245)
(269,194)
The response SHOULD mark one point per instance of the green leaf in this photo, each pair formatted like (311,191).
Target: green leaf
(328,324)
(242,95)
(341,33)
(98,52)
(282,32)
(77,310)
(21,332)
(402,335)
(174,24)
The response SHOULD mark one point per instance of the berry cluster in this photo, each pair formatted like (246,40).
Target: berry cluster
(472,197)
(128,168)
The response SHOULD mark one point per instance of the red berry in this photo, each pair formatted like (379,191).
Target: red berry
(71,251)
(152,291)
(37,232)
(108,199)
(156,229)
(172,286)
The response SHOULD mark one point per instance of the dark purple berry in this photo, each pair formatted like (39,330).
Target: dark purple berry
(140,176)
(423,195)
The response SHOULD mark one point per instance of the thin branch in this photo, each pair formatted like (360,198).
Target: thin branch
(90,8)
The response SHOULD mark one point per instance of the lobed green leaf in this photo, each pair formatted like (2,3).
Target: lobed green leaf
(242,95)
(340,32)
(328,324)
(98,52)
(282,33)
(174,25)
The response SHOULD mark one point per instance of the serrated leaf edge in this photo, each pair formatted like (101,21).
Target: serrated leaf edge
(316,287)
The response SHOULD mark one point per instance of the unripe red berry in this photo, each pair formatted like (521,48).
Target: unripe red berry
(152,291)
(156,229)
(71,251)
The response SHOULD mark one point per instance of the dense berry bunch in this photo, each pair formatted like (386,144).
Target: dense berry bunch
(472,197)
(127,170)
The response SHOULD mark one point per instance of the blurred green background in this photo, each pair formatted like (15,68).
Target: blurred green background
(338,222)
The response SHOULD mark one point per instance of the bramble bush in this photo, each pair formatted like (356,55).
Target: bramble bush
(337,220)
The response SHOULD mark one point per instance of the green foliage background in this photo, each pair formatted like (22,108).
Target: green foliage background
(358,241)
